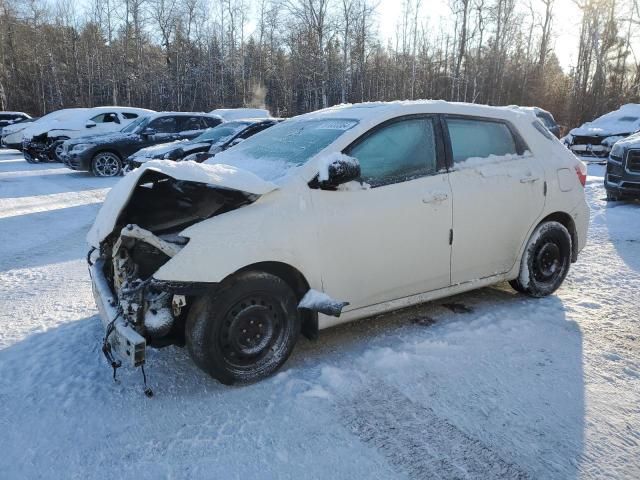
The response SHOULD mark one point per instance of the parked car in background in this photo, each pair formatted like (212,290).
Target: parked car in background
(328,217)
(42,141)
(104,155)
(594,140)
(622,179)
(12,134)
(229,114)
(204,146)
(11,118)
(547,120)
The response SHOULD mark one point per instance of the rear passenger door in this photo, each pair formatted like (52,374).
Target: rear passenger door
(498,190)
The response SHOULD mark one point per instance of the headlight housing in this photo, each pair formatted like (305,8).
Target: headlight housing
(81,147)
(617,151)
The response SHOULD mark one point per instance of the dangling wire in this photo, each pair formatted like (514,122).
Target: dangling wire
(106,347)
(147,391)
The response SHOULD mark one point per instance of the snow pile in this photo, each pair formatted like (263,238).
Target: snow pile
(229,114)
(153,150)
(487,165)
(268,169)
(321,302)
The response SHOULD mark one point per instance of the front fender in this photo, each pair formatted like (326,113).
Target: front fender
(276,228)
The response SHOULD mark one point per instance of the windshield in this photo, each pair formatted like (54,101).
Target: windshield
(222,132)
(282,147)
(140,121)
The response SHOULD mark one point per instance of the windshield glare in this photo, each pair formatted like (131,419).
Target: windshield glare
(278,149)
(140,121)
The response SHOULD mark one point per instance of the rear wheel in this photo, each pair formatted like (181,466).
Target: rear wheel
(546,260)
(106,164)
(245,330)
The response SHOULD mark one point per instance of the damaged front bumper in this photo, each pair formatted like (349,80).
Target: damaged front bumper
(124,340)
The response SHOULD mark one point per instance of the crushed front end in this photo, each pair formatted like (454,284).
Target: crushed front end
(136,309)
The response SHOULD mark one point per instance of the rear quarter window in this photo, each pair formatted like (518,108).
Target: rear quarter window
(476,138)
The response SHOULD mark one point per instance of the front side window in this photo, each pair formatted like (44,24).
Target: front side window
(472,138)
(397,152)
(164,125)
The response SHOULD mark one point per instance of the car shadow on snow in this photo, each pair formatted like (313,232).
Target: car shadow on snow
(41,238)
(504,379)
(622,223)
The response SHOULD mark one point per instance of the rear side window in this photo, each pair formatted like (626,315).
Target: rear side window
(190,123)
(211,122)
(164,125)
(397,152)
(129,116)
(472,138)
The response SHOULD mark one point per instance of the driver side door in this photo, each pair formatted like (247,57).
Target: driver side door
(391,240)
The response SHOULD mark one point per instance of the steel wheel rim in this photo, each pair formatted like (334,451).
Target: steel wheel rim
(107,165)
(251,330)
(548,262)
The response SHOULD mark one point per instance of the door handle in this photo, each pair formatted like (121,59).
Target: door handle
(529,179)
(435,198)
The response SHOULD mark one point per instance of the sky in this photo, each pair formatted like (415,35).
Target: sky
(566,27)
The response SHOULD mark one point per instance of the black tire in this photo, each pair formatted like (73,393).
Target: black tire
(106,164)
(244,331)
(30,158)
(56,150)
(612,197)
(545,261)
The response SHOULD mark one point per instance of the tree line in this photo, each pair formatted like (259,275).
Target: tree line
(294,56)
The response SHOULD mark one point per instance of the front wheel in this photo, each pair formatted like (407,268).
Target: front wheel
(57,149)
(106,164)
(244,331)
(545,262)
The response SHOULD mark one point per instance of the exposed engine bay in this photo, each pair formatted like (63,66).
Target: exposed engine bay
(145,238)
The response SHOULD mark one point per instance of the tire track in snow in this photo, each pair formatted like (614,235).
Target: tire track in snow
(12,207)
(414,439)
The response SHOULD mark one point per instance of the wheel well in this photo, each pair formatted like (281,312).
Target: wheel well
(566,220)
(298,283)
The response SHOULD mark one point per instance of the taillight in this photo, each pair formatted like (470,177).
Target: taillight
(581,171)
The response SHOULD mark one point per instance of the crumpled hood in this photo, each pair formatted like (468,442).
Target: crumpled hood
(216,175)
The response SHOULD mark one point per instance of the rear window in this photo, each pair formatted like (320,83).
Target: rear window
(472,138)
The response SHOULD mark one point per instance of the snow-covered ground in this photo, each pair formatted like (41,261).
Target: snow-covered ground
(483,385)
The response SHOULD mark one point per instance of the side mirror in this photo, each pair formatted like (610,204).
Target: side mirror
(90,124)
(336,170)
(147,132)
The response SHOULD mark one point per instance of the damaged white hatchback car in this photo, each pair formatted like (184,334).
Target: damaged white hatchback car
(329,217)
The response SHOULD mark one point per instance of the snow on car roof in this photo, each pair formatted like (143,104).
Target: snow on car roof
(625,120)
(375,110)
